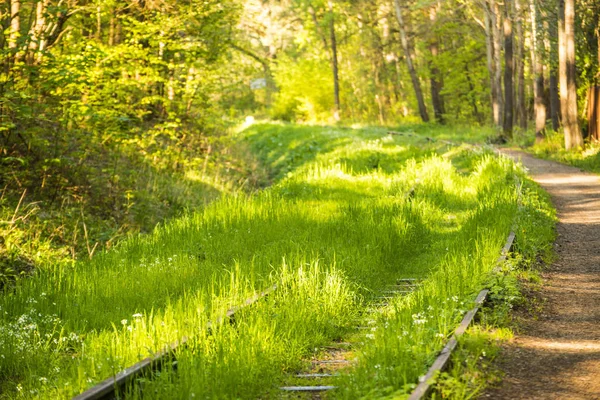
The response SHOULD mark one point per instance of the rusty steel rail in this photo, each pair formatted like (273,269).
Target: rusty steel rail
(442,361)
(108,388)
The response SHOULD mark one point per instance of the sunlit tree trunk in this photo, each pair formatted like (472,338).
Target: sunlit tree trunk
(568,89)
(521,113)
(434,72)
(15,25)
(594,98)
(553,75)
(508,71)
(98,23)
(112,29)
(409,62)
(495,94)
(334,63)
(496,20)
(538,87)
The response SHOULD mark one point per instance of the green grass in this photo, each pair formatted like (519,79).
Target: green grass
(349,212)
(552,148)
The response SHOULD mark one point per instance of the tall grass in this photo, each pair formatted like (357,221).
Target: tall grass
(349,212)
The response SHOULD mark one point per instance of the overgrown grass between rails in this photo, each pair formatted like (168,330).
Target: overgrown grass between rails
(344,219)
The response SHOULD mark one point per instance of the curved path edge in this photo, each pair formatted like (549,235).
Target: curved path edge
(556,354)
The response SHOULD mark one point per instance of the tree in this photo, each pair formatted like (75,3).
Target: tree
(334,62)
(520,111)
(568,89)
(408,56)
(508,70)
(538,88)
(436,84)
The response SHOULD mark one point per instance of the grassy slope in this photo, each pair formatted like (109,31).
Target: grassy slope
(552,148)
(337,226)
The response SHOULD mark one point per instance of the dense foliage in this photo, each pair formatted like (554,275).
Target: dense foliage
(106,106)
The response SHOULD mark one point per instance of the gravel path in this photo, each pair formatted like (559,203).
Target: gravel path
(557,353)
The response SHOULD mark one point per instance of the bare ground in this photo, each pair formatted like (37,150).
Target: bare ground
(556,354)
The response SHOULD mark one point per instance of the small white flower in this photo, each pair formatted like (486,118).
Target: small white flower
(370,336)
(123,322)
(137,315)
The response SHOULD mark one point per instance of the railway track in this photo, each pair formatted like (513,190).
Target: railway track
(113,386)
(339,356)
(323,371)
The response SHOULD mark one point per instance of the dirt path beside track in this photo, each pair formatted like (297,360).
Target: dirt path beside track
(557,353)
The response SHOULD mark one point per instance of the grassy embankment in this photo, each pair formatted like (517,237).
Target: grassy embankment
(350,211)
(553,148)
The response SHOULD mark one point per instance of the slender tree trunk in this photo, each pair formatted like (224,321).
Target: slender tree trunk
(498,46)
(521,112)
(489,47)
(409,62)
(36,32)
(562,61)
(334,63)
(434,72)
(99,23)
(594,99)
(15,25)
(508,71)
(497,36)
(593,113)
(472,100)
(553,76)
(538,87)
(568,90)
(112,29)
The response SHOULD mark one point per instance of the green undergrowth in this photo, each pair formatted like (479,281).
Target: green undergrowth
(348,212)
(552,148)
(473,367)
(82,203)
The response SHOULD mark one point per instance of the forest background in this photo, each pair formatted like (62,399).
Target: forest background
(114,114)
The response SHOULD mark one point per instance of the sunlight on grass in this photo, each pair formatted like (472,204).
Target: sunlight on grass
(350,212)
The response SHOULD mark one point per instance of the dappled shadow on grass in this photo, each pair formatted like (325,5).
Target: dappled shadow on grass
(372,229)
(373,243)
(284,149)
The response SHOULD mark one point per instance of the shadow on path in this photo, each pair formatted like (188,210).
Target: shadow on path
(557,353)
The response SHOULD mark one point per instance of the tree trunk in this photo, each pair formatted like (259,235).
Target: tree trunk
(508,71)
(334,63)
(489,47)
(568,89)
(112,28)
(553,76)
(409,62)
(538,87)
(521,112)
(594,99)
(99,23)
(15,25)
(496,23)
(434,72)
(593,113)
